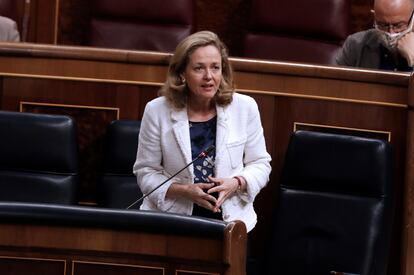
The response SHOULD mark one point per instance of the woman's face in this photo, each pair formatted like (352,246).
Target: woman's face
(203,72)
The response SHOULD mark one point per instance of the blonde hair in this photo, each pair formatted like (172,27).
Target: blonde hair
(176,91)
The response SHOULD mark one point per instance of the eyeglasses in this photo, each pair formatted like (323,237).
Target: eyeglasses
(396,27)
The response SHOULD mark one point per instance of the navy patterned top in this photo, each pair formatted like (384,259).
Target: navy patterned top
(203,134)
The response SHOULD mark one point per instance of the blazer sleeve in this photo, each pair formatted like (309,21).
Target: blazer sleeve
(148,165)
(256,158)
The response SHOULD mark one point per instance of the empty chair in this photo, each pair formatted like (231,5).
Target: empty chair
(38,158)
(155,25)
(297,30)
(119,187)
(335,206)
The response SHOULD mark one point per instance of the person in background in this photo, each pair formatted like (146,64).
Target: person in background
(389,45)
(8,30)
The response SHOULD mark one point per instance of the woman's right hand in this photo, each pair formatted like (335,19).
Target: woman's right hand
(195,193)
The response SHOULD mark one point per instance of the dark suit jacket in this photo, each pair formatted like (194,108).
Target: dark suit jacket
(361,49)
(364,49)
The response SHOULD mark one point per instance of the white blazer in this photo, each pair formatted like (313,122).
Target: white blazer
(165,147)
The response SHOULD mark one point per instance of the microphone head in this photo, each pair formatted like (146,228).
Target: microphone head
(207,151)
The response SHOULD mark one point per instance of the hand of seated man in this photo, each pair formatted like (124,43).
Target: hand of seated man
(406,47)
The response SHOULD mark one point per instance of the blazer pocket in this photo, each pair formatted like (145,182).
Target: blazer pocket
(236,151)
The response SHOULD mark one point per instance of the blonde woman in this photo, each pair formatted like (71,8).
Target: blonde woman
(198,108)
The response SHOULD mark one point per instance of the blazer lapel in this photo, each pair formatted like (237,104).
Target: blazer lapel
(221,134)
(182,133)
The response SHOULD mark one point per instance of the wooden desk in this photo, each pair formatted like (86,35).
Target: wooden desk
(59,240)
(98,85)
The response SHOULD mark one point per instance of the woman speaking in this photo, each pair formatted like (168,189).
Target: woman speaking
(199,108)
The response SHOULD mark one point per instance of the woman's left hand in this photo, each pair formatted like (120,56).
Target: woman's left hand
(224,187)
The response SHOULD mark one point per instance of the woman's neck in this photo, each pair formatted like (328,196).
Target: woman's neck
(198,111)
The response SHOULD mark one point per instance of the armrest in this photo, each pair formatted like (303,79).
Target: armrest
(83,216)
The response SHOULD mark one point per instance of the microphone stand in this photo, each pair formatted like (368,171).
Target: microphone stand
(203,154)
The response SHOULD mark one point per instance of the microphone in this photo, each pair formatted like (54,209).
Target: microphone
(203,154)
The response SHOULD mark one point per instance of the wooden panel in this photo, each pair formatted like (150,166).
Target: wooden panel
(97,250)
(130,100)
(43,21)
(332,89)
(34,266)
(87,268)
(107,241)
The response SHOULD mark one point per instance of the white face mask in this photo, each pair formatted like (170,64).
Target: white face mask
(390,39)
